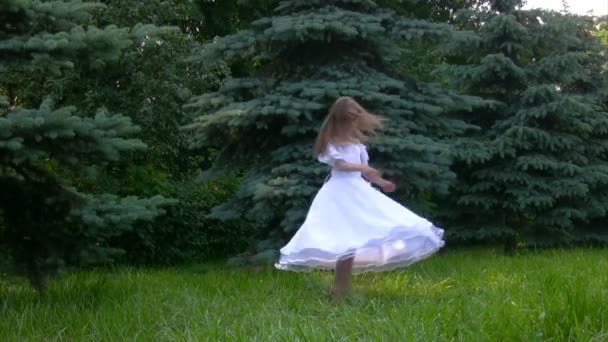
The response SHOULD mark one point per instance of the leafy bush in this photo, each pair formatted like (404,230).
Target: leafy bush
(185,232)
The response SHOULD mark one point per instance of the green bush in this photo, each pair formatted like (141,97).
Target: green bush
(185,232)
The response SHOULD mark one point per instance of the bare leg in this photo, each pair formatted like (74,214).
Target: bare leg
(343,276)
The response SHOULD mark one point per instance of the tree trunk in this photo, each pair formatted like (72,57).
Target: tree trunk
(510,244)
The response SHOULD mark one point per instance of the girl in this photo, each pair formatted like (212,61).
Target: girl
(351,227)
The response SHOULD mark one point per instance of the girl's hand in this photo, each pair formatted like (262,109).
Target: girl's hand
(387,186)
(370,173)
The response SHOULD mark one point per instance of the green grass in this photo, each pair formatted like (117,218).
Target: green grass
(462,296)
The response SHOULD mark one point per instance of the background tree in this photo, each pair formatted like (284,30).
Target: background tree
(45,145)
(538,168)
(220,18)
(440,11)
(590,30)
(151,82)
(306,55)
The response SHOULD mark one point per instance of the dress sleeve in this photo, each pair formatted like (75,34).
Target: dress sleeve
(331,156)
(363,155)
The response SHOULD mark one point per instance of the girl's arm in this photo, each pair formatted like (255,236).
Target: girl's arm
(386,185)
(344,166)
(368,173)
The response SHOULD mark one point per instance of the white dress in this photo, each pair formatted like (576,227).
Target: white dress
(350,217)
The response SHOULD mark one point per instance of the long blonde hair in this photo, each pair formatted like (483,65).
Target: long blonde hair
(347,122)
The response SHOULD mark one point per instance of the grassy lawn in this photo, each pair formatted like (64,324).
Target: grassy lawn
(463,295)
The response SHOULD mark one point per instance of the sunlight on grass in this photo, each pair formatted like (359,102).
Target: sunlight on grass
(465,296)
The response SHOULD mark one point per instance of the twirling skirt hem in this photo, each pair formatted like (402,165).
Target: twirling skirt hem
(310,259)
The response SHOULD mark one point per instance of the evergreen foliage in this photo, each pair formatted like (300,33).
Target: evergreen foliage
(538,169)
(220,18)
(307,55)
(150,83)
(520,159)
(48,222)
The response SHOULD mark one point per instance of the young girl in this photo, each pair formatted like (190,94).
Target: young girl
(351,227)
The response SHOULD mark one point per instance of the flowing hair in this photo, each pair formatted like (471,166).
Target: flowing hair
(347,122)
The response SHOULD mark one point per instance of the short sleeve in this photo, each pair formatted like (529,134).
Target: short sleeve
(331,156)
(363,155)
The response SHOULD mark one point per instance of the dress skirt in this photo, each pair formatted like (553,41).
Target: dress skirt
(350,218)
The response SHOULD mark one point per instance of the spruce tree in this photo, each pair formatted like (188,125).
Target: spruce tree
(536,170)
(46,222)
(590,30)
(306,56)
